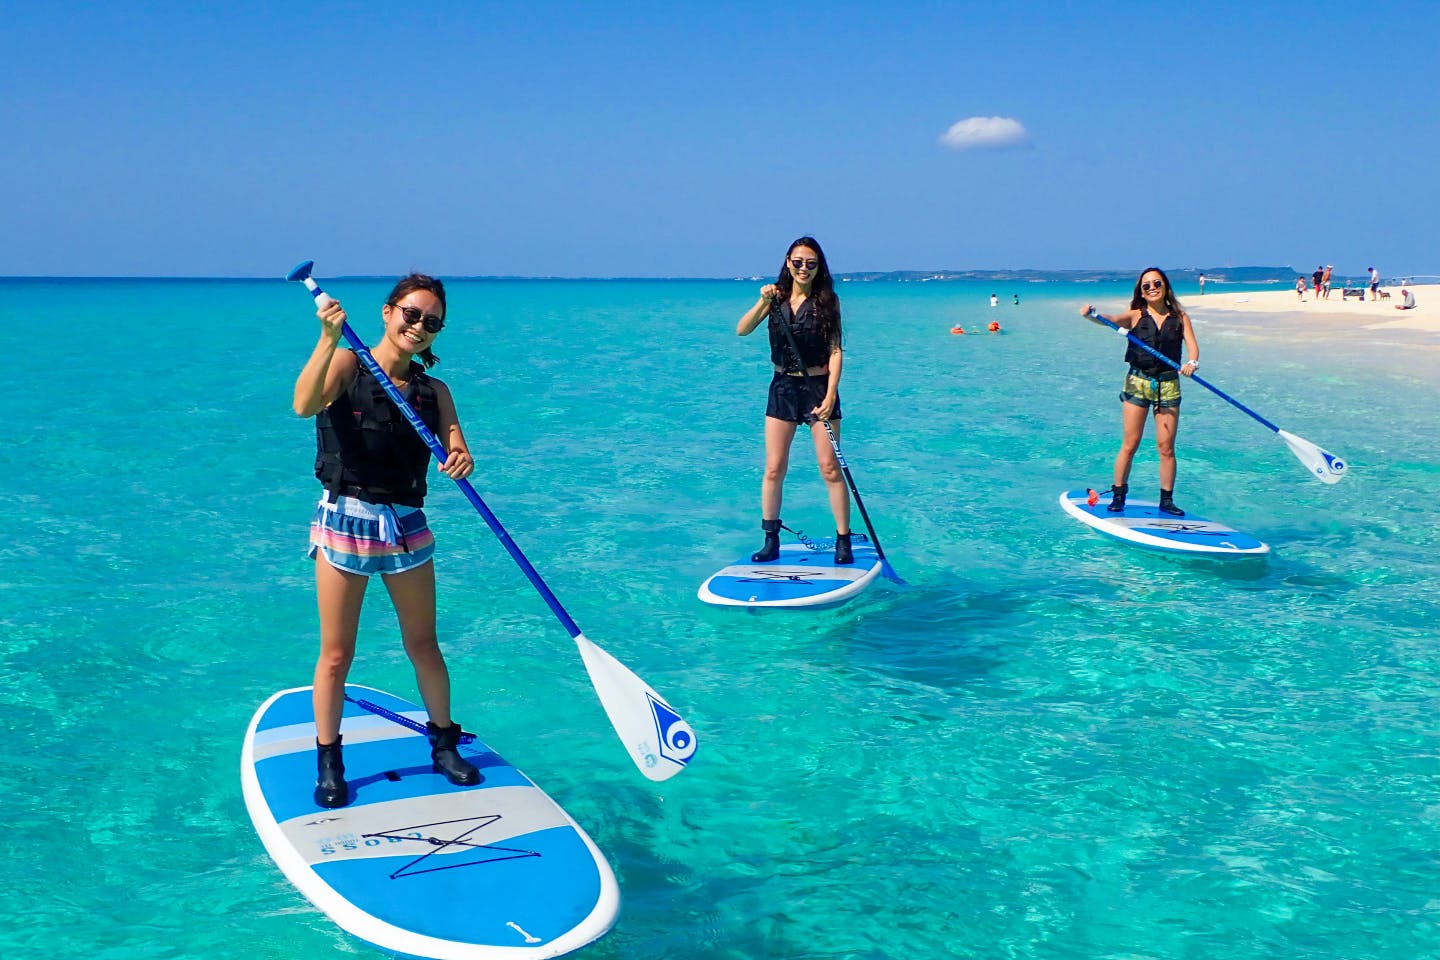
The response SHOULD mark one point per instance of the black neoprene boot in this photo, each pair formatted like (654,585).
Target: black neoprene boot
(771,550)
(843,553)
(330,788)
(1167,503)
(1117,501)
(446,759)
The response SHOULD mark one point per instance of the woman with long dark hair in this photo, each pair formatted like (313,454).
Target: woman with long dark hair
(1156,318)
(804,388)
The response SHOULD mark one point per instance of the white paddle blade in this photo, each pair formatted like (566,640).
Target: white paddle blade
(1323,465)
(659,740)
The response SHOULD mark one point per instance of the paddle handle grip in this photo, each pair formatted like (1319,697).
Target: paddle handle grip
(322,299)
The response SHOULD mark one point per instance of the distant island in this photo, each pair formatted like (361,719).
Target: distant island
(1212,275)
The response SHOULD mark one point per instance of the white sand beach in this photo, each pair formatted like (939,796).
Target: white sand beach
(1373,335)
(1332,314)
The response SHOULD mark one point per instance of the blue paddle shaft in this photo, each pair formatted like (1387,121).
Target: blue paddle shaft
(1171,363)
(301,273)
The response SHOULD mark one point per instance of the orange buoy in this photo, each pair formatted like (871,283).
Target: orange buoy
(994,326)
(957,329)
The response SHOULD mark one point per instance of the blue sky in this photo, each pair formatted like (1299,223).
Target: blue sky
(698,139)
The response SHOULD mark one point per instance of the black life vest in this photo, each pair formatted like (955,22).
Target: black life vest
(815,349)
(1166,339)
(365,446)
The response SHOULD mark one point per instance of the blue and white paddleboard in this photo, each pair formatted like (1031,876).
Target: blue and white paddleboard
(416,865)
(799,577)
(1143,524)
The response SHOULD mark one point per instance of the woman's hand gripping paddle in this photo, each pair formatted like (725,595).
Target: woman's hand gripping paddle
(1323,465)
(885,567)
(657,738)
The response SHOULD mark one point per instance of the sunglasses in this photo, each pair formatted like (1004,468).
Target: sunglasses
(799,264)
(429,321)
(1153,285)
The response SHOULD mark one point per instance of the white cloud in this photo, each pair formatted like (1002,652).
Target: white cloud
(974,133)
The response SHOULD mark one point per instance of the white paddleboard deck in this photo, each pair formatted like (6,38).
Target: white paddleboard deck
(416,865)
(799,577)
(1143,524)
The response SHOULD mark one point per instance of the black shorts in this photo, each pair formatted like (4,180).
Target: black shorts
(790,400)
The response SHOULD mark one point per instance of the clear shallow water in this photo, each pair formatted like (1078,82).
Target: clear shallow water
(1046,745)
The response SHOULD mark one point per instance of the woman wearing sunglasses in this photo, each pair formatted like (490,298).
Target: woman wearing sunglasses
(373,467)
(804,388)
(1155,317)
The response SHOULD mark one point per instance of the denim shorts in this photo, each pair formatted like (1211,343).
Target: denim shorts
(370,538)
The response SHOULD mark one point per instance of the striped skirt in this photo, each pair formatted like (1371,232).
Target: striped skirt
(370,538)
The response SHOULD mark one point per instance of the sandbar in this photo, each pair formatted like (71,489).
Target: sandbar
(1351,334)
(1333,313)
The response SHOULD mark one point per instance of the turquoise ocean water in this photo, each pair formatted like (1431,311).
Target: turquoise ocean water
(1047,745)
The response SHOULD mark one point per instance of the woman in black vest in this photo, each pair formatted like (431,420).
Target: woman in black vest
(804,389)
(1155,317)
(373,466)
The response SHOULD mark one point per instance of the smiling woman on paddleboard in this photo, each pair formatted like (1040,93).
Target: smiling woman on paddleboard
(1156,318)
(369,520)
(804,317)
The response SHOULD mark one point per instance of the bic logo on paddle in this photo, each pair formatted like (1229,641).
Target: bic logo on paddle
(677,739)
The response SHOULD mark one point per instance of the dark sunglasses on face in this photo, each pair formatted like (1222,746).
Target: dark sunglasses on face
(799,264)
(1153,285)
(429,321)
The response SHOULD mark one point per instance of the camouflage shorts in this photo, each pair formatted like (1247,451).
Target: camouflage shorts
(1144,391)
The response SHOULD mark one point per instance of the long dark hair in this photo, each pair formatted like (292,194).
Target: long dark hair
(1137,301)
(822,290)
(408,285)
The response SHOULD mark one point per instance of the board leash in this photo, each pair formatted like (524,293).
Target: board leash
(822,544)
(402,720)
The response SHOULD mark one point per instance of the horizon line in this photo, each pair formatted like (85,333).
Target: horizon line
(939,274)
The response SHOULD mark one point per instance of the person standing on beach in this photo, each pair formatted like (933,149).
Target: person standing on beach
(1202,284)
(804,388)
(1374,284)
(373,466)
(1156,318)
(1325,281)
(1300,289)
(1315,279)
